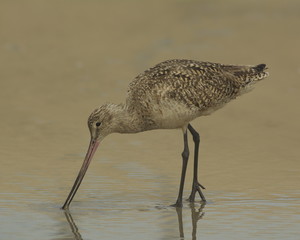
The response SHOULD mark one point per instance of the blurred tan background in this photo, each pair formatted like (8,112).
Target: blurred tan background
(61,59)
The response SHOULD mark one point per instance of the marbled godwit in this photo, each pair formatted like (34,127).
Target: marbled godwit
(170,95)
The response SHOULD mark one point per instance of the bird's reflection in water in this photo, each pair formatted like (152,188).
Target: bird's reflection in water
(196,214)
(73,226)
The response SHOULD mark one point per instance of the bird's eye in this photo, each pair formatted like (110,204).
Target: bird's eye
(98,124)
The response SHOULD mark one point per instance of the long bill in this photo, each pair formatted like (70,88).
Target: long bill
(87,160)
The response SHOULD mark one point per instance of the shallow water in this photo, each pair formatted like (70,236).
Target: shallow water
(61,59)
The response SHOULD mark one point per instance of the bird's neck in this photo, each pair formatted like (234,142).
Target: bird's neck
(125,121)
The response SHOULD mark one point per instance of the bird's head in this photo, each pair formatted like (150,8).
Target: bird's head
(101,122)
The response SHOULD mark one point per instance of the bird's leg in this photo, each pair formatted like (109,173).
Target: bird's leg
(185,156)
(196,187)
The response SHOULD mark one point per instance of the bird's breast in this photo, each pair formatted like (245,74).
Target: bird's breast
(172,114)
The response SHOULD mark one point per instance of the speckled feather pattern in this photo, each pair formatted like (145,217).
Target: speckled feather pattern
(173,93)
(186,89)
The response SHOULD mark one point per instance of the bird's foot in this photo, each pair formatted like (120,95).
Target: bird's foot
(178,204)
(196,188)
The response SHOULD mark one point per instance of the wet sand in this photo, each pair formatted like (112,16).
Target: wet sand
(61,59)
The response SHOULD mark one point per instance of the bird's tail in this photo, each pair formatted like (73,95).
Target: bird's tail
(249,74)
(257,72)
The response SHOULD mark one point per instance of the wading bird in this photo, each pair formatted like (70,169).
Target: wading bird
(168,96)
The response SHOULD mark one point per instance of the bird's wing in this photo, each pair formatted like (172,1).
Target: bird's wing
(194,83)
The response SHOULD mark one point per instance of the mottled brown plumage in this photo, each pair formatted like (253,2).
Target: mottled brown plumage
(174,92)
(170,95)
(198,85)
